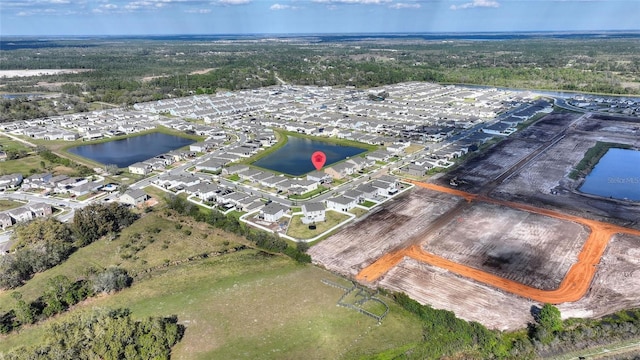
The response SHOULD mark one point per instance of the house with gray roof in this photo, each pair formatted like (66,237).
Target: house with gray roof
(133,197)
(273,212)
(313,212)
(341,203)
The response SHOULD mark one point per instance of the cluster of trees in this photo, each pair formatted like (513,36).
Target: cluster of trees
(445,335)
(262,239)
(105,334)
(139,71)
(47,155)
(47,242)
(60,294)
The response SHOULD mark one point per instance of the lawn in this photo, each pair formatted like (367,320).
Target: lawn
(309,194)
(299,230)
(9,204)
(368,203)
(358,211)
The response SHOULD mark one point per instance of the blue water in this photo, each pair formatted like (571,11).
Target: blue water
(295,157)
(616,175)
(131,150)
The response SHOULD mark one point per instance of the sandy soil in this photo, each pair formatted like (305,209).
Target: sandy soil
(38,72)
(469,300)
(362,242)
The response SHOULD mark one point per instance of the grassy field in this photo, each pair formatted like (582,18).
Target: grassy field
(25,166)
(8,144)
(139,247)
(9,204)
(299,230)
(241,305)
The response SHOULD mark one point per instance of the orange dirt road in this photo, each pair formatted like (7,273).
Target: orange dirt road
(573,287)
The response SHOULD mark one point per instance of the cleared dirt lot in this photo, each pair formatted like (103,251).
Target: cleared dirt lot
(544,182)
(531,249)
(615,286)
(486,167)
(362,242)
(468,299)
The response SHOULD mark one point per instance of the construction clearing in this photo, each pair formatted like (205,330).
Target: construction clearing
(513,234)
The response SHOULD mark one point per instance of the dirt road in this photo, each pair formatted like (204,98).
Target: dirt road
(573,287)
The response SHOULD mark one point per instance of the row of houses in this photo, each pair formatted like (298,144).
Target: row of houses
(314,212)
(24,214)
(60,184)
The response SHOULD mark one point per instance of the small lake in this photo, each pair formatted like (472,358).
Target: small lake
(294,158)
(131,150)
(616,175)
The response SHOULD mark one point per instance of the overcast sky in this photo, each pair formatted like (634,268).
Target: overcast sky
(146,17)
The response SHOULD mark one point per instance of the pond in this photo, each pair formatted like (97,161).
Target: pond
(616,175)
(125,152)
(294,158)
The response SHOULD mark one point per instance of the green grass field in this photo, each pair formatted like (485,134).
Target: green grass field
(299,230)
(25,166)
(242,305)
(9,204)
(8,144)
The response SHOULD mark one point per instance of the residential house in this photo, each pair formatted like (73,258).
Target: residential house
(235,169)
(368,191)
(341,203)
(10,181)
(414,170)
(340,170)
(21,214)
(140,168)
(354,194)
(313,212)
(320,177)
(5,221)
(213,165)
(133,197)
(273,212)
(41,209)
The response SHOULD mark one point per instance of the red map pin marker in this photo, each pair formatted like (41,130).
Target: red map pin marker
(318,159)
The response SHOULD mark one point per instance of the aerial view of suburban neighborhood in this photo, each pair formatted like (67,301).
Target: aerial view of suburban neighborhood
(339,193)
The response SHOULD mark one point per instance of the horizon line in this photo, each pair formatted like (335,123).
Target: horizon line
(294,34)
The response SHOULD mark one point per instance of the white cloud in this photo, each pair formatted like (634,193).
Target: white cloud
(353,2)
(198,11)
(405,6)
(475,4)
(233,2)
(277,6)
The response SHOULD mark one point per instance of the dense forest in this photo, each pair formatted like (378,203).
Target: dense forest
(136,70)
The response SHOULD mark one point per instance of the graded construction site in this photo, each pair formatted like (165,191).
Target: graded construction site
(516,233)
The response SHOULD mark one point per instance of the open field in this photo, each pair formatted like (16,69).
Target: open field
(248,305)
(150,242)
(366,239)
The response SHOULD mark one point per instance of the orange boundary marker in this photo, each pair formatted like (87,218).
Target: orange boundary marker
(572,288)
